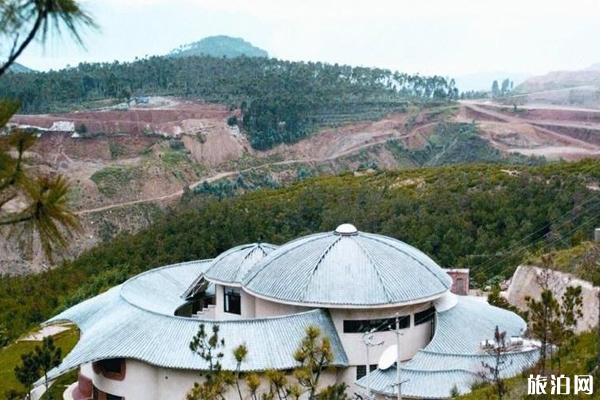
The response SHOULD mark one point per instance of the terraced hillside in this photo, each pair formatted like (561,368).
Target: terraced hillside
(129,163)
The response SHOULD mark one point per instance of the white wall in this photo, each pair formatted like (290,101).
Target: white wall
(412,339)
(141,382)
(87,370)
(146,382)
(266,308)
(174,384)
(248,305)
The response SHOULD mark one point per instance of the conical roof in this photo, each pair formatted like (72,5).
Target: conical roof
(231,266)
(347,268)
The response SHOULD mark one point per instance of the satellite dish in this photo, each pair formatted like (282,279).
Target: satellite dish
(388,358)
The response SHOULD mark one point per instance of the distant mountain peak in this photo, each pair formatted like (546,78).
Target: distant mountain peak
(19,68)
(594,67)
(219,46)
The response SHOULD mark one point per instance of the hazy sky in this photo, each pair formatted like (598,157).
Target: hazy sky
(448,37)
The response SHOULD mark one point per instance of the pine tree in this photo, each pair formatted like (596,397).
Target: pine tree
(493,371)
(46,213)
(210,349)
(23,21)
(47,357)
(28,372)
(314,355)
(495,89)
(553,322)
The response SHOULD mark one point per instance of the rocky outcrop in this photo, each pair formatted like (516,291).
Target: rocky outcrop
(525,282)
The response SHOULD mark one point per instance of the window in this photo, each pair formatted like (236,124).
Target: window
(361,370)
(233,301)
(100,395)
(424,316)
(112,368)
(376,325)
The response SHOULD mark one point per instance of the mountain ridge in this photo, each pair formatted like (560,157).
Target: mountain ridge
(219,46)
(19,68)
(555,80)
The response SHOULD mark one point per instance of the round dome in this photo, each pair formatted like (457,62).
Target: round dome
(231,266)
(347,268)
(346,229)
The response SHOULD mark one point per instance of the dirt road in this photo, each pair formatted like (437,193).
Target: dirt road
(547,136)
(547,142)
(340,152)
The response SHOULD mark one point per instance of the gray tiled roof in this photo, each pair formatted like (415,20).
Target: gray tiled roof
(338,270)
(135,320)
(454,358)
(231,266)
(159,290)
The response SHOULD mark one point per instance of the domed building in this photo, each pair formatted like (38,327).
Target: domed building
(365,292)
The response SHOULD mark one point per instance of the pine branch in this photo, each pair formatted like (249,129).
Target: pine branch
(41,16)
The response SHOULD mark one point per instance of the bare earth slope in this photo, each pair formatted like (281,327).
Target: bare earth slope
(565,88)
(553,132)
(128,164)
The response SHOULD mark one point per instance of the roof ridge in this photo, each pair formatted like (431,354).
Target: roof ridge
(164,267)
(296,242)
(254,248)
(378,238)
(319,261)
(376,269)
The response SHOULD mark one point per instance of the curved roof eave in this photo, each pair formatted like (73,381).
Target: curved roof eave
(344,305)
(120,324)
(453,356)
(164,341)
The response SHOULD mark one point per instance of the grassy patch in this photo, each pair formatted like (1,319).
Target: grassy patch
(11,356)
(172,158)
(571,260)
(111,180)
(400,153)
(116,150)
(57,389)
(453,143)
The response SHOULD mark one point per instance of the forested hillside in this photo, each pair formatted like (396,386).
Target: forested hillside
(219,46)
(485,217)
(281,101)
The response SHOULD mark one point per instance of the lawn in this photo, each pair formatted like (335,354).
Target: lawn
(11,356)
(57,389)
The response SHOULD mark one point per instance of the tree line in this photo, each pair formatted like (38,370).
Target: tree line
(281,101)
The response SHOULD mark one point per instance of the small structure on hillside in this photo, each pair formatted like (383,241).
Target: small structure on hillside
(460,280)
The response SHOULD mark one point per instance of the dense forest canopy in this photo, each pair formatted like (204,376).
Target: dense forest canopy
(485,217)
(281,101)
